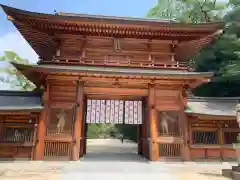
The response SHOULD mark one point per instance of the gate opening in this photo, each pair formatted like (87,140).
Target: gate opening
(112,128)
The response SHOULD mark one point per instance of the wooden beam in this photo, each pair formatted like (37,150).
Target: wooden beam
(125,40)
(77,133)
(154,154)
(115,91)
(115,97)
(128,52)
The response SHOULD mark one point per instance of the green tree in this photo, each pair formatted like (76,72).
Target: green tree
(221,56)
(16,79)
(194,11)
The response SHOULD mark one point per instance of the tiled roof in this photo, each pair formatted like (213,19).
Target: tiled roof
(212,106)
(113,70)
(20,101)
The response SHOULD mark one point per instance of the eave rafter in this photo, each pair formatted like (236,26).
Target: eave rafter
(43,43)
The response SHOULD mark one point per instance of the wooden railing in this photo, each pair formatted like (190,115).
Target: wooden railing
(120,63)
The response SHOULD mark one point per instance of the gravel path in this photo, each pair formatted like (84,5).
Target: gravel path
(103,163)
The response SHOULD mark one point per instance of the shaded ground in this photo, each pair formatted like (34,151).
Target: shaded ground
(102,162)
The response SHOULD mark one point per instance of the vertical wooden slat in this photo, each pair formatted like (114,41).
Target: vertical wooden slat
(153,124)
(78,121)
(39,153)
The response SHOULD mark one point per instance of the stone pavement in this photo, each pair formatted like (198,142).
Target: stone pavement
(103,163)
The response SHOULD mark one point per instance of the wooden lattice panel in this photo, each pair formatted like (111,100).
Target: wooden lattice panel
(230,137)
(168,123)
(114,112)
(170,150)
(57,149)
(60,121)
(18,135)
(205,137)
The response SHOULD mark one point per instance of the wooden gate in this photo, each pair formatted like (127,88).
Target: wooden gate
(114,112)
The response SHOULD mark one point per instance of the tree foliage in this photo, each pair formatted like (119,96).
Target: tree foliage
(16,79)
(223,55)
(185,11)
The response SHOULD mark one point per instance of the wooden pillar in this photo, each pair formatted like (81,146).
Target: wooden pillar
(153,125)
(186,138)
(184,130)
(83,130)
(144,131)
(39,150)
(77,133)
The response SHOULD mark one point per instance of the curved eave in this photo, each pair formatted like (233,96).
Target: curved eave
(119,21)
(109,72)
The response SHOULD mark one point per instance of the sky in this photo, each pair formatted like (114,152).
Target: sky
(11,39)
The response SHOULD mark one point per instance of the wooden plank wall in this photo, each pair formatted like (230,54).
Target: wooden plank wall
(116,52)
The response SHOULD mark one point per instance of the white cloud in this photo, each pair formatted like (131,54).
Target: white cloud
(15,42)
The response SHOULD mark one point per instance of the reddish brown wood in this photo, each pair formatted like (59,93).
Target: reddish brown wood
(153,124)
(78,122)
(39,153)
(115,91)
(114,42)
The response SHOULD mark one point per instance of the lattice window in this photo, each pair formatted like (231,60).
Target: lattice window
(204,137)
(168,123)
(57,149)
(60,121)
(20,135)
(230,137)
(170,150)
